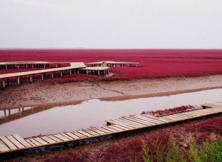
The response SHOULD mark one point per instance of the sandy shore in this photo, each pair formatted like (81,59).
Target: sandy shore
(43,93)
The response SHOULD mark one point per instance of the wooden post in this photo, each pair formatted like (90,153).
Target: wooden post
(52,75)
(18,80)
(3,84)
(70,72)
(42,77)
(98,72)
(20,112)
(31,79)
(5,113)
(61,74)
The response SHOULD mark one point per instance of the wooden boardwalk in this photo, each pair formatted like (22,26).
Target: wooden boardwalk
(73,65)
(15,142)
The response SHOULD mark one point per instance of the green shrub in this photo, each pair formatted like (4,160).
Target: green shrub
(146,154)
(209,151)
(212,151)
(193,152)
(174,153)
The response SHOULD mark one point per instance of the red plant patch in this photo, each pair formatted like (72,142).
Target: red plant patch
(171,111)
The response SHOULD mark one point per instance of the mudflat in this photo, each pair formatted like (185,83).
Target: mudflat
(44,93)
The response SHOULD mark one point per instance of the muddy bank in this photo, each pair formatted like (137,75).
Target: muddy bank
(43,93)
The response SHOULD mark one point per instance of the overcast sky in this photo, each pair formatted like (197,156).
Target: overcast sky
(110,24)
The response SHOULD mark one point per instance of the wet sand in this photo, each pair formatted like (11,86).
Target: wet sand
(45,94)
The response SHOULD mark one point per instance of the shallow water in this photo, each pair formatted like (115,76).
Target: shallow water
(95,112)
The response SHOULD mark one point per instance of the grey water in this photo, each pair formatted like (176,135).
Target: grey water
(94,113)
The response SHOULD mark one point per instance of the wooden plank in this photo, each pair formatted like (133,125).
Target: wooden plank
(181,116)
(105,130)
(59,136)
(85,133)
(21,140)
(124,123)
(10,145)
(15,142)
(47,139)
(114,127)
(155,118)
(121,127)
(98,131)
(35,142)
(146,123)
(150,121)
(168,119)
(176,117)
(3,147)
(134,121)
(137,125)
(92,132)
(72,135)
(81,136)
(110,129)
(154,121)
(172,119)
(55,138)
(127,124)
(41,141)
(70,138)
(185,114)
(32,144)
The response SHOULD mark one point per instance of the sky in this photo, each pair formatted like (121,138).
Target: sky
(186,24)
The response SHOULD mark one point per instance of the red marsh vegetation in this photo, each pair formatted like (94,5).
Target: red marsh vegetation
(171,111)
(153,63)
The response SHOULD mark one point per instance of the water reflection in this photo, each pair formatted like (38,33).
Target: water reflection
(95,112)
